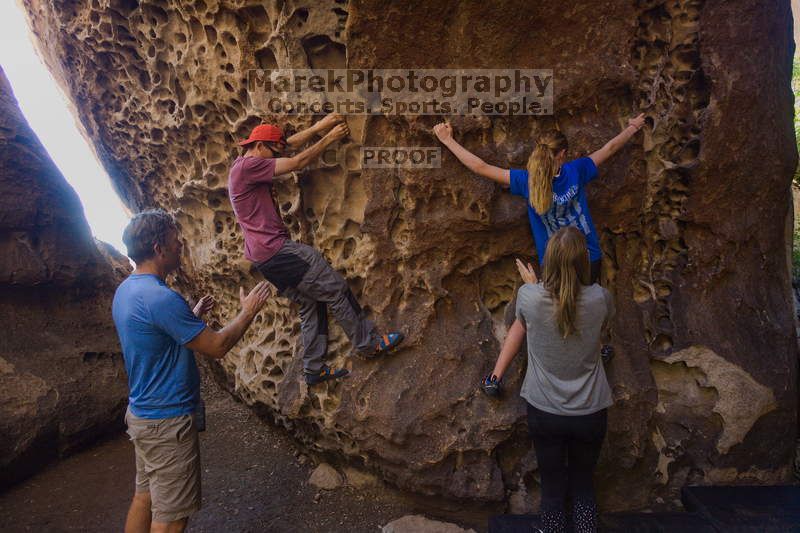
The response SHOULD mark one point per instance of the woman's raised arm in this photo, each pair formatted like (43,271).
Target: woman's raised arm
(444,132)
(612,146)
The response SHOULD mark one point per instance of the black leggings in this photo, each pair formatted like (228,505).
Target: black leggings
(567,449)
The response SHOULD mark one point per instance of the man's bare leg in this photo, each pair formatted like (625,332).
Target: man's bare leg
(139,517)
(169,527)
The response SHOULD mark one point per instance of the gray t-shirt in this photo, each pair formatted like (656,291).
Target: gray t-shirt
(565,376)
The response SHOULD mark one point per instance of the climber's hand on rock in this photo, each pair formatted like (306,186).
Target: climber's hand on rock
(637,122)
(203,306)
(443,131)
(339,131)
(329,121)
(255,300)
(526,272)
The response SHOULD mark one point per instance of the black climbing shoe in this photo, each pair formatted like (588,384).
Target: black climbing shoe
(325,374)
(606,353)
(492,386)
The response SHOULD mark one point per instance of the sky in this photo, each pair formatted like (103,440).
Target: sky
(45,107)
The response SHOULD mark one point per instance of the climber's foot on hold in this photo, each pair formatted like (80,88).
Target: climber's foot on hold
(326,373)
(492,386)
(606,353)
(388,342)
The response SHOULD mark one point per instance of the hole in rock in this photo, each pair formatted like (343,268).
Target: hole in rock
(211,34)
(265,59)
(257,18)
(301,15)
(349,246)
(125,7)
(324,53)
(229,39)
(156,14)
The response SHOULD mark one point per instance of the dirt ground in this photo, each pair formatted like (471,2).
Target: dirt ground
(254,480)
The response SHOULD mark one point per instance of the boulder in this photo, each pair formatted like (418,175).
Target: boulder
(62,377)
(360,479)
(421,524)
(325,477)
(693,216)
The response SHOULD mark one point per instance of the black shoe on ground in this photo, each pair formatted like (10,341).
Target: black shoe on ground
(326,374)
(606,353)
(492,386)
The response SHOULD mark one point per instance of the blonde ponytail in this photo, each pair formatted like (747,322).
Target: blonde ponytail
(542,168)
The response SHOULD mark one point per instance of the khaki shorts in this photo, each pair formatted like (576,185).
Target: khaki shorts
(167,464)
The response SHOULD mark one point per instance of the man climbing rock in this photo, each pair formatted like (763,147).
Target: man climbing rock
(158,332)
(297,270)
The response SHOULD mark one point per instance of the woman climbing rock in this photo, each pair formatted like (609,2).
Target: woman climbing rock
(554,188)
(565,383)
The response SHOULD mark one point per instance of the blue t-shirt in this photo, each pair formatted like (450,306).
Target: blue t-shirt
(154,323)
(569,205)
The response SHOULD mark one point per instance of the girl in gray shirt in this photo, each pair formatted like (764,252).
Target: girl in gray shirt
(565,384)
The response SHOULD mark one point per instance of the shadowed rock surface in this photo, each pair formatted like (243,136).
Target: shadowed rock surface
(262,486)
(62,378)
(693,217)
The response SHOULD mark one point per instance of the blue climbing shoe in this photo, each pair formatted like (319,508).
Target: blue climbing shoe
(492,386)
(388,342)
(606,353)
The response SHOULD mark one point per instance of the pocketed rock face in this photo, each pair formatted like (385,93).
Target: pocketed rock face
(692,215)
(62,379)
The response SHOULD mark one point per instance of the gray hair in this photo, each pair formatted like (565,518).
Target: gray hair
(145,230)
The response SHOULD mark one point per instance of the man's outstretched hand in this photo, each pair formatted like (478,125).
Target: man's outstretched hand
(443,131)
(329,121)
(203,306)
(340,131)
(255,300)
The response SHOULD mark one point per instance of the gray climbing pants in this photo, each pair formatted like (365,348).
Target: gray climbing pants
(301,273)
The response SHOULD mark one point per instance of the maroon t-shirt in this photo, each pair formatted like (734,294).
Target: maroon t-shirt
(249,188)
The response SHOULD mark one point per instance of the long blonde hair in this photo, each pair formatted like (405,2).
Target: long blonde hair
(542,168)
(566,268)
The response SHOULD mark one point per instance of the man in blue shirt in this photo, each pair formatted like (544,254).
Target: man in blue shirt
(159,332)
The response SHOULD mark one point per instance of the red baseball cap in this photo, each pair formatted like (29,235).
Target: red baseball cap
(264,132)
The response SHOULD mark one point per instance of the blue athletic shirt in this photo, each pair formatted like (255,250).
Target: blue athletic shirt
(154,323)
(569,205)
